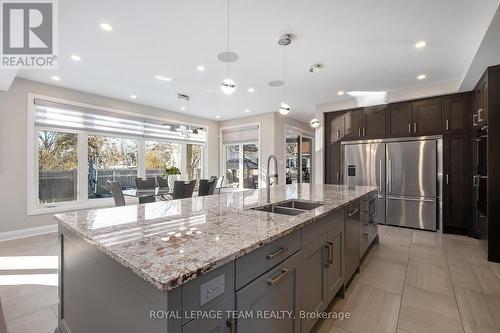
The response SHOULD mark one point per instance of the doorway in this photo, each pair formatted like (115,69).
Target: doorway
(298,157)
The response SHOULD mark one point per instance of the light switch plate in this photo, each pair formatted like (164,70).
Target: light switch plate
(211,289)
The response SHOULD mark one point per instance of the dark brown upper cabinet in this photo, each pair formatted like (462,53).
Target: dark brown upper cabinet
(455,114)
(399,120)
(480,116)
(335,126)
(427,116)
(353,122)
(374,122)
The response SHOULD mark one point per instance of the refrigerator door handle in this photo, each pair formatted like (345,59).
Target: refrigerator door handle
(379,177)
(410,199)
(389,176)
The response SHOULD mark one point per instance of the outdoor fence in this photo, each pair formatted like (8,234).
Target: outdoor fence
(57,186)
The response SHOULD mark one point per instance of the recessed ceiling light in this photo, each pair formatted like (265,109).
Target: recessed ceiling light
(251,90)
(183,108)
(106,27)
(227,56)
(133,96)
(421,77)
(340,93)
(76,57)
(421,44)
(218,117)
(163,78)
(200,68)
(247,111)
(56,78)
(276,83)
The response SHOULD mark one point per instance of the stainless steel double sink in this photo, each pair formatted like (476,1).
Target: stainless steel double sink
(289,207)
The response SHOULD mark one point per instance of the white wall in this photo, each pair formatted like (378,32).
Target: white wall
(13,136)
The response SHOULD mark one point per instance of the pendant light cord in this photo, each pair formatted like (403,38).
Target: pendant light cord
(227,54)
(284,72)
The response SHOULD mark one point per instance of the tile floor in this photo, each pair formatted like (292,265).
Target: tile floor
(28,284)
(413,281)
(417,281)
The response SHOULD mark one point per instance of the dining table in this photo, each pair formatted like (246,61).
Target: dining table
(141,194)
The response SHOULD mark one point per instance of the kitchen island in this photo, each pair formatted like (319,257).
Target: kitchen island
(215,263)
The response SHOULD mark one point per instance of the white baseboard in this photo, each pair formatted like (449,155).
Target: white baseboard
(30,232)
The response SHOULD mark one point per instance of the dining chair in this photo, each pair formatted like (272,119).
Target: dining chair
(220,181)
(207,187)
(148,183)
(204,187)
(162,182)
(142,184)
(118,197)
(183,189)
(213,186)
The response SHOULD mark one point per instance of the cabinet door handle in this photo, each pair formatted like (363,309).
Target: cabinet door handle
(409,128)
(231,323)
(277,253)
(330,252)
(474,120)
(475,181)
(479,117)
(273,281)
(338,134)
(326,248)
(349,214)
(415,127)
(447,125)
(364,131)
(447,179)
(359,132)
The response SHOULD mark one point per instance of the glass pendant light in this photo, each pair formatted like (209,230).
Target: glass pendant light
(228,86)
(284,108)
(314,69)
(284,41)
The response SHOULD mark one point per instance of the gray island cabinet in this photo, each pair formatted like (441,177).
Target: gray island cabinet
(210,264)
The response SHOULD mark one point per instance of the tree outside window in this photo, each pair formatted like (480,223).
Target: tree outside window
(57,166)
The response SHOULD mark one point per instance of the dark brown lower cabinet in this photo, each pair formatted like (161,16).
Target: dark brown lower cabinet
(456,184)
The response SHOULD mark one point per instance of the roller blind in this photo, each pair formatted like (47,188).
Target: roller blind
(50,114)
(241,134)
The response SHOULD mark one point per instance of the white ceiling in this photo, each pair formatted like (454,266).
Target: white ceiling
(362,44)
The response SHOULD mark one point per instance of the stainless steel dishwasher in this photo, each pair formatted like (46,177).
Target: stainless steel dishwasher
(352,240)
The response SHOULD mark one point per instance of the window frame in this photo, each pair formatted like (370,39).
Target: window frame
(82,201)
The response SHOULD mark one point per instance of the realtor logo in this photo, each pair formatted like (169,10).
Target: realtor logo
(28,34)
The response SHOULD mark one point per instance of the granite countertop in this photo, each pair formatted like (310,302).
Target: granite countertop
(171,242)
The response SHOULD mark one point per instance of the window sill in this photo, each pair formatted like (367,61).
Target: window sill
(73,206)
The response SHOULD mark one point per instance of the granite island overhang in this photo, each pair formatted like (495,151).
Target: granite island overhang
(120,265)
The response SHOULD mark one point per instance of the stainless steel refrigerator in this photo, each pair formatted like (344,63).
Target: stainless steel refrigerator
(407,174)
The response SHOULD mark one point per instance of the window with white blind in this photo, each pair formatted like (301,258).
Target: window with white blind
(75,150)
